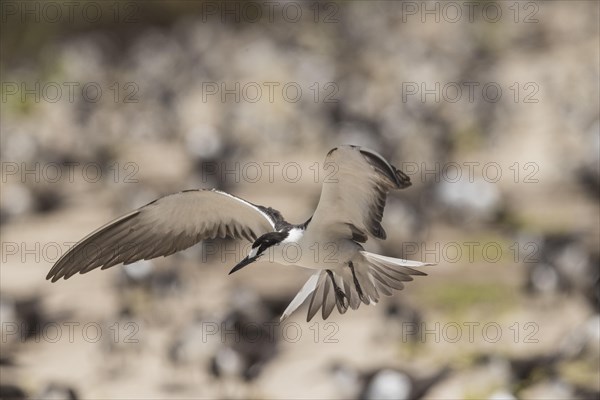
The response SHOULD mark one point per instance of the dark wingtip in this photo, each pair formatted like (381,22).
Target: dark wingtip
(377,231)
(330,153)
(55,275)
(402,179)
(51,276)
(396,176)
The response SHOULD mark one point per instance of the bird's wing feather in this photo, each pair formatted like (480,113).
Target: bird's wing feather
(165,226)
(354,194)
(373,276)
(302,295)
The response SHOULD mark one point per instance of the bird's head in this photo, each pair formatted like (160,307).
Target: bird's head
(259,247)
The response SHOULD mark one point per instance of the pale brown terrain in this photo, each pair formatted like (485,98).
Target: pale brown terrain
(511,308)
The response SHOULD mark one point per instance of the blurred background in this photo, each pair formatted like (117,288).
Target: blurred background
(492,108)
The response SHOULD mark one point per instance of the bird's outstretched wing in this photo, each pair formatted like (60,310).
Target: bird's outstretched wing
(165,226)
(354,194)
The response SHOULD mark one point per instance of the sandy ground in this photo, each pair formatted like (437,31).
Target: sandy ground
(515,316)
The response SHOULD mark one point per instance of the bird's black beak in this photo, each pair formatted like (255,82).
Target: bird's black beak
(242,264)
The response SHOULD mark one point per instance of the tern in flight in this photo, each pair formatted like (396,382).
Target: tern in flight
(349,211)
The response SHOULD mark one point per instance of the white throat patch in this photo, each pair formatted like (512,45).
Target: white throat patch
(294,235)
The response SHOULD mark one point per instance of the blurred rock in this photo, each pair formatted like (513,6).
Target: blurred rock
(47,199)
(502,395)
(12,392)
(526,369)
(17,200)
(403,321)
(250,337)
(139,271)
(588,173)
(521,372)
(564,265)
(583,339)
(466,201)
(145,276)
(195,343)
(23,319)
(406,219)
(55,391)
(554,389)
(388,384)
(384,383)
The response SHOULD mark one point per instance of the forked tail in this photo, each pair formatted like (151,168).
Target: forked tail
(362,280)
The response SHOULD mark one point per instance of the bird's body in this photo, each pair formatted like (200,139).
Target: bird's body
(302,250)
(349,211)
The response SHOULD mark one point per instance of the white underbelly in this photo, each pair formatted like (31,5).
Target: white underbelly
(317,255)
